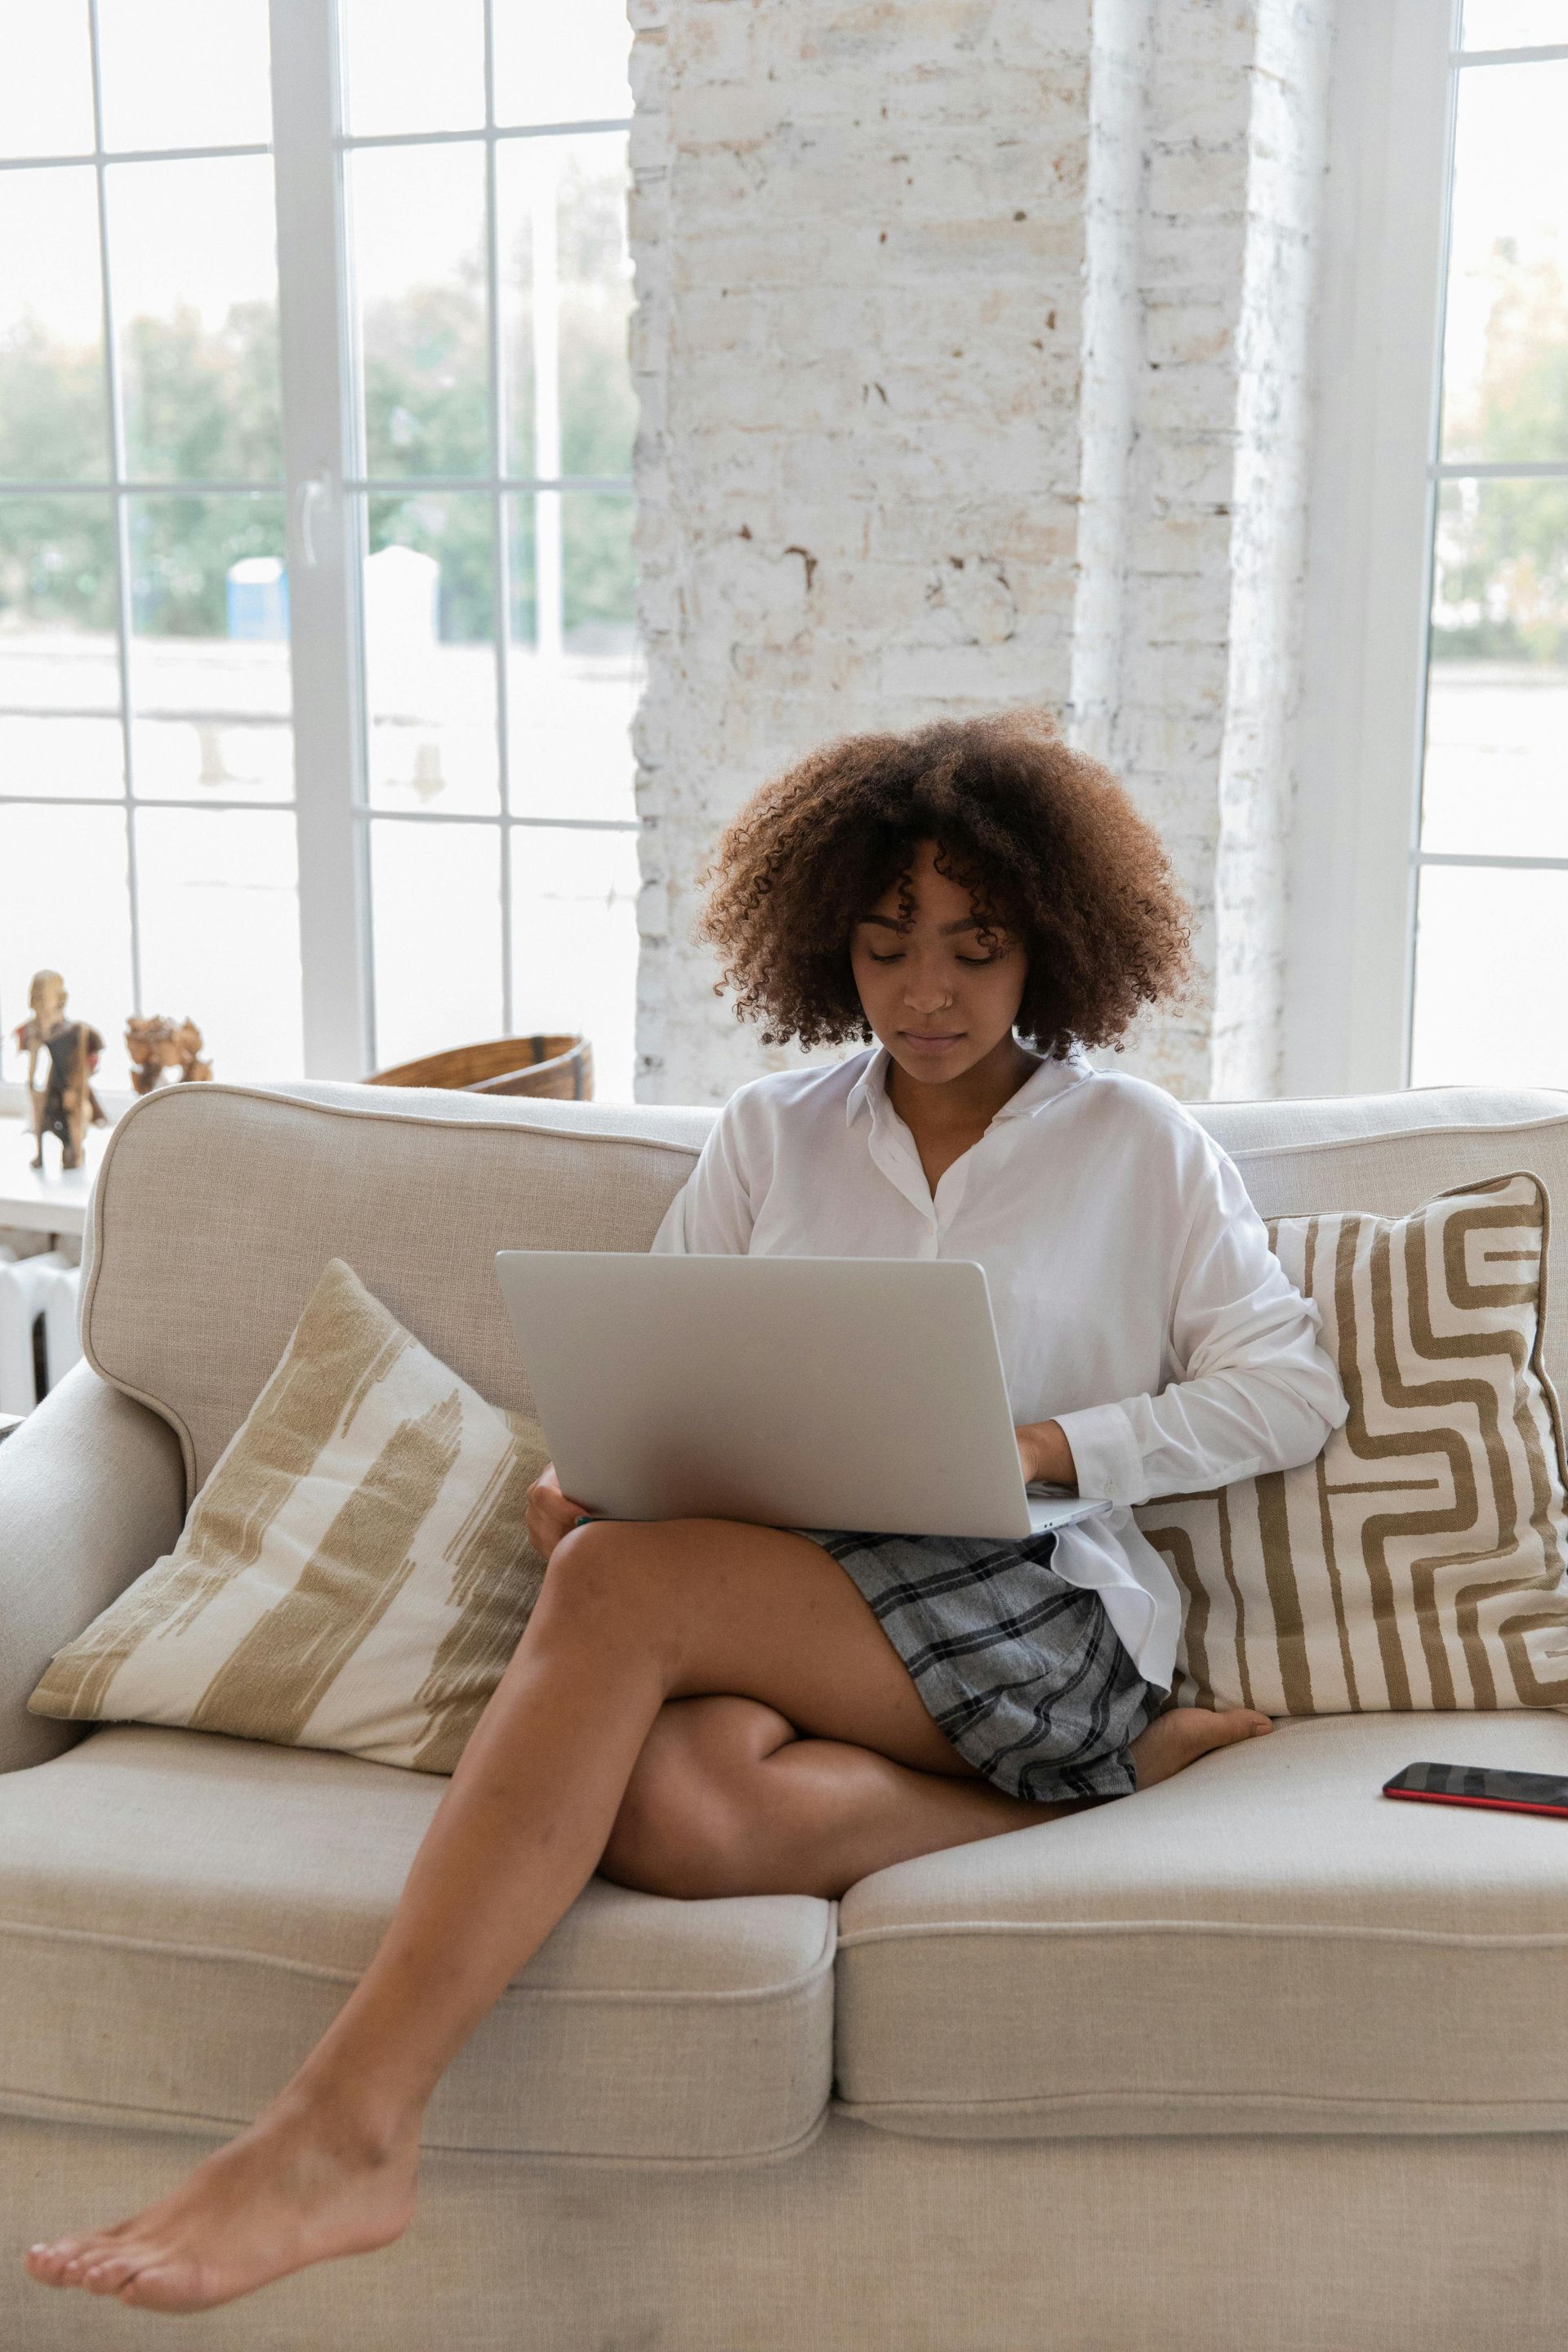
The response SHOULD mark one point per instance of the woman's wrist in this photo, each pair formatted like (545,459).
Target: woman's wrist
(1047,1457)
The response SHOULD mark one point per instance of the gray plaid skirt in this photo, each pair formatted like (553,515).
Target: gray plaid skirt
(1020,1669)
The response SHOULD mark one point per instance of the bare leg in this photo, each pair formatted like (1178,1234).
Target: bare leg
(631,1616)
(726,1797)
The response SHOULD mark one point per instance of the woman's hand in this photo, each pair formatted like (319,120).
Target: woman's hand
(550,1514)
(1045,1456)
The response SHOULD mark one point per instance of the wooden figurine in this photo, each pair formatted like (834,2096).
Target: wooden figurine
(65,1104)
(156,1043)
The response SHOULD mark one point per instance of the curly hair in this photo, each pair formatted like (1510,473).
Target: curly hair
(1047,842)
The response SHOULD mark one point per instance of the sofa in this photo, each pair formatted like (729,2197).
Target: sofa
(1254,2058)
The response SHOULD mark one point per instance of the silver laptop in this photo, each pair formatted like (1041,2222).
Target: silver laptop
(854,1392)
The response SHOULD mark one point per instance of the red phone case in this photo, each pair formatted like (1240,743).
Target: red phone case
(1490,1804)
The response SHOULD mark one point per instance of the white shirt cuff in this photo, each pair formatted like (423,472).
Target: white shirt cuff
(1105,1452)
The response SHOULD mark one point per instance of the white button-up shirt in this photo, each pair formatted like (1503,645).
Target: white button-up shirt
(1136,1299)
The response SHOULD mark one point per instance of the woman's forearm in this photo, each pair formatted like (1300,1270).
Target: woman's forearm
(1045,1456)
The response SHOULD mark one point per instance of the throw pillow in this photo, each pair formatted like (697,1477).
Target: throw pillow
(1418,1563)
(355,1572)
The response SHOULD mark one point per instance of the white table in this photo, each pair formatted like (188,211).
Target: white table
(52,1200)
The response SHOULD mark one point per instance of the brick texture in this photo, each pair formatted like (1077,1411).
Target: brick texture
(971,342)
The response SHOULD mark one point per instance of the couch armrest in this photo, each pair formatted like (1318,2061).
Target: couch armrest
(92,1491)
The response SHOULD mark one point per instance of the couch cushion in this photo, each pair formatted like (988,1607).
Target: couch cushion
(182,1914)
(216,1207)
(1263,1944)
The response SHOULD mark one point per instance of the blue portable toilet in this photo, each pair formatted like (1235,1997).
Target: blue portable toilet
(258,598)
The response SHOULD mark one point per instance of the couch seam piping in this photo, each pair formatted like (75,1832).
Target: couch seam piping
(318,1972)
(212,1088)
(1440,1938)
(194,2122)
(1046,2101)
(1505,1130)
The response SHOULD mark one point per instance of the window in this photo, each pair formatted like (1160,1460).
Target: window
(1429,941)
(1491,928)
(317,645)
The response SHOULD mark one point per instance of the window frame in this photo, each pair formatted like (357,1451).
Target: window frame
(1356,857)
(327,486)
(118,486)
(324,487)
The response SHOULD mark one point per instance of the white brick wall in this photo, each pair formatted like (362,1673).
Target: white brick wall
(971,342)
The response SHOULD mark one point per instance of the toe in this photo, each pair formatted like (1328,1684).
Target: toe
(166,2287)
(60,2249)
(110,2272)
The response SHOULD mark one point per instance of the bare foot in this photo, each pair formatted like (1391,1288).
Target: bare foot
(298,2186)
(1183,1734)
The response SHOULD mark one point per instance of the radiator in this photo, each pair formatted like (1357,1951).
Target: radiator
(34,1290)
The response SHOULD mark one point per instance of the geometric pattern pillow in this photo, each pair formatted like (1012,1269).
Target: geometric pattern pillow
(1419,1561)
(354,1574)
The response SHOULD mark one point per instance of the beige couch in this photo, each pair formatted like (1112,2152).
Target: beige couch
(1254,2059)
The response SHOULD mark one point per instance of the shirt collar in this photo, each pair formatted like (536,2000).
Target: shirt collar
(1041,1086)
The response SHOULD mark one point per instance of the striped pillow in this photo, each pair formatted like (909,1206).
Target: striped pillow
(355,1572)
(1418,1563)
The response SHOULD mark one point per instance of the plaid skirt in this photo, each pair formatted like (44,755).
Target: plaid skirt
(1020,1669)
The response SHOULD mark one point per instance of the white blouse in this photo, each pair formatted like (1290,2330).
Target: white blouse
(1135,1296)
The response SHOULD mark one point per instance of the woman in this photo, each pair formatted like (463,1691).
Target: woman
(705,1708)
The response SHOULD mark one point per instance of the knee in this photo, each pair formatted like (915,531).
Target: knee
(691,1817)
(597,1571)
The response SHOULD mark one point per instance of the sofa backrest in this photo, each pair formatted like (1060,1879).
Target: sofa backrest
(216,1207)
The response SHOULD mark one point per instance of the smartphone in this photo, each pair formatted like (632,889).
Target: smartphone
(1476,1784)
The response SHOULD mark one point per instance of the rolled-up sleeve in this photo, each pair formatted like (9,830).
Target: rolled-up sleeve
(711,1216)
(1255,1391)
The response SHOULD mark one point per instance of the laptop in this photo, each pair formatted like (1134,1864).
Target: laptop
(862,1393)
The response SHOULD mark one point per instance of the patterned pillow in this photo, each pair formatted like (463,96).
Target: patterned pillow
(1418,1563)
(354,1573)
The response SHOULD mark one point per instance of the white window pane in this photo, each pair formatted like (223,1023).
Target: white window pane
(209,653)
(46,90)
(569,710)
(58,650)
(1497,775)
(79,927)
(573,572)
(566,290)
(575,944)
(430,664)
(192,257)
(1491,978)
(1515,24)
(1506,332)
(418,237)
(220,933)
(563,65)
(61,758)
(184,73)
(54,410)
(598,577)
(1496,779)
(436,916)
(414,65)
